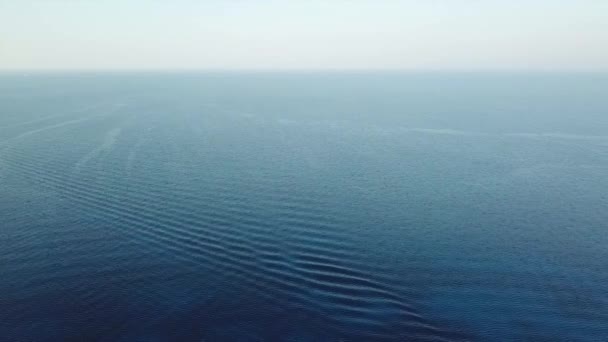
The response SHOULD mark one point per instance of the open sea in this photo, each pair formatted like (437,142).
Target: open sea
(294,206)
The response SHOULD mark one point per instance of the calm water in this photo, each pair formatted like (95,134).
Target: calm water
(304,207)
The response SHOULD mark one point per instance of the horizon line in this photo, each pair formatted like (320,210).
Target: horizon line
(304,70)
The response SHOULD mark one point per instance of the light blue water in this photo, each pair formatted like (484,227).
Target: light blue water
(304,207)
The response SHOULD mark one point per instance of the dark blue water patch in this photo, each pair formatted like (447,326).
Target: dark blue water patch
(303,207)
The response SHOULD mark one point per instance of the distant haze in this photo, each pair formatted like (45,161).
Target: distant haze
(304,34)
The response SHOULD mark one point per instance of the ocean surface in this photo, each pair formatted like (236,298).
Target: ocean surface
(370,206)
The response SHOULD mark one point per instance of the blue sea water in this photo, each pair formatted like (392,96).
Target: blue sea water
(371,206)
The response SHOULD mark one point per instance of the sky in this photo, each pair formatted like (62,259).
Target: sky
(304,34)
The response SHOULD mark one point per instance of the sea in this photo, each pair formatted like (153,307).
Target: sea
(303,206)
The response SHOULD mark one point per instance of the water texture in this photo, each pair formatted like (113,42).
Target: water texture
(303,207)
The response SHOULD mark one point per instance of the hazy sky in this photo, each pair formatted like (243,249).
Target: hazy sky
(287,34)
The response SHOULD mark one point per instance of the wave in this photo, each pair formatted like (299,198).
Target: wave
(282,247)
